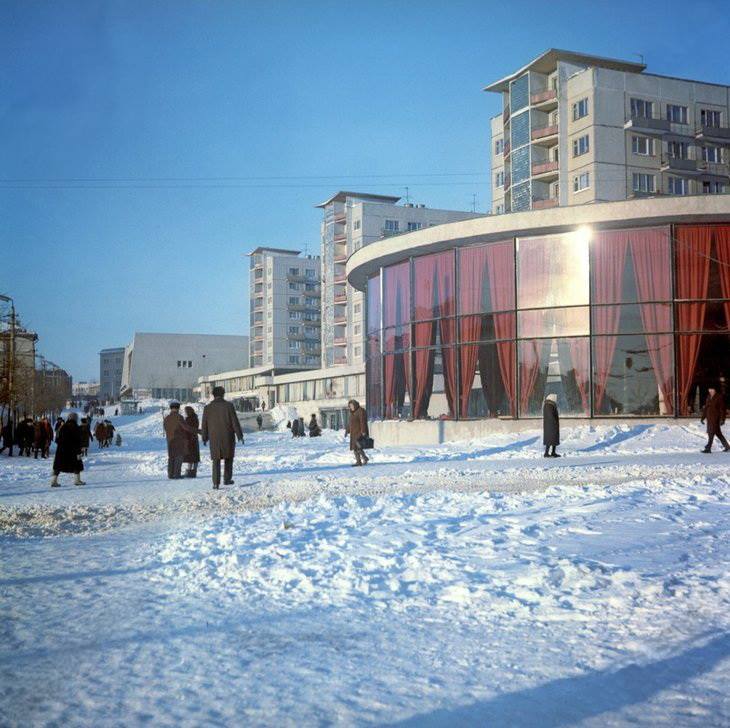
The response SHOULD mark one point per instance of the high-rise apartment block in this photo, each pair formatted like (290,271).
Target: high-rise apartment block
(285,309)
(351,221)
(111,364)
(577,128)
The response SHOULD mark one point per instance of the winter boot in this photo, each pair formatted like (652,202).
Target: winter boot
(547,452)
(77,480)
(706,450)
(54,482)
(553,454)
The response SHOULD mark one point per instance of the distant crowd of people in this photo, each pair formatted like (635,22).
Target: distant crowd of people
(298,428)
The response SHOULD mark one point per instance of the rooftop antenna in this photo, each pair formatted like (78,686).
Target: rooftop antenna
(641,58)
(474,202)
(408,199)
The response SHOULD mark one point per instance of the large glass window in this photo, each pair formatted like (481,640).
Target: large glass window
(519,93)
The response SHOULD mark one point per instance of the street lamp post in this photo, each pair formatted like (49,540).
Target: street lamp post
(11,354)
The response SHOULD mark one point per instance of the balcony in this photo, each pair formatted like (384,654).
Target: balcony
(340,320)
(542,203)
(340,217)
(545,171)
(646,125)
(341,297)
(545,134)
(340,238)
(340,341)
(341,258)
(680,166)
(505,114)
(713,169)
(719,134)
(507,149)
(545,100)
(340,359)
(339,279)
(507,181)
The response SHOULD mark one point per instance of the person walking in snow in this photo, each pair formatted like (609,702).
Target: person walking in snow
(314,429)
(68,451)
(259,420)
(192,453)
(357,428)
(8,435)
(86,436)
(714,412)
(302,433)
(39,439)
(49,435)
(295,427)
(109,430)
(176,432)
(57,425)
(221,427)
(550,426)
(100,433)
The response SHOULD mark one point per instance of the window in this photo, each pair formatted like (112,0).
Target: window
(499,179)
(642,146)
(391,226)
(295,286)
(310,287)
(356,224)
(710,117)
(414,226)
(356,308)
(677,186)
(309,273)
(499,146)
(357,330)
(293,271)
(677,150)
(581,182)
(294,358)
(179,363)
(712,154)
(357,351)
(293,300)
(712,187)
(643,182)
(580,145)
(580,109)
(293,330)
(677,114)
(294,344)
(642,108)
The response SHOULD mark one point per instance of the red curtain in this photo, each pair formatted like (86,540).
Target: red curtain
(693,277)
(424,333)
(650,252)
(609,261)
(722,246)
(472,262)
(529,371)
(396,366)
(500,269)
(447,325)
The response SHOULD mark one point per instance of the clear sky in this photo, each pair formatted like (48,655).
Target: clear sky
(126,121)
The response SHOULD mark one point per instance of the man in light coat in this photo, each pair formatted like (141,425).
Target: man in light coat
(221,426)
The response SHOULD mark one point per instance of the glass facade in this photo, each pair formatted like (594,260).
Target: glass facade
(618,323)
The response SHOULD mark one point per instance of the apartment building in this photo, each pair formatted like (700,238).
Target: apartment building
(577,128)
(351,221)
(111,363)
(285,309)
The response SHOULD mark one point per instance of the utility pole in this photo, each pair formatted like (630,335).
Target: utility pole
(11,357)
(474,202)
(408,198)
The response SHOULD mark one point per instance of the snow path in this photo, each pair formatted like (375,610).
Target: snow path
(469,584)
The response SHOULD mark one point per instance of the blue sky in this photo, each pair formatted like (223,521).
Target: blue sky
(166,93)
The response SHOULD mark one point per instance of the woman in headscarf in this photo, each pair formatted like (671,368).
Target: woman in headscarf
(192,455)
(550,426)
(68,451)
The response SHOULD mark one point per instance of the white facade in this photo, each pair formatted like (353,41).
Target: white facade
(577,129)
(351,221)
(169,365)
(285,309)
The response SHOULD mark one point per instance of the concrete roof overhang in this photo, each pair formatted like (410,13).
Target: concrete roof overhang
(640,212)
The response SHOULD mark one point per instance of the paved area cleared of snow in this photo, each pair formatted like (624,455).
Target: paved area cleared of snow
(472,583)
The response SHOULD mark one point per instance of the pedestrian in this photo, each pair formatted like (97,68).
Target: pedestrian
(86,436)
(550,426)
(714,413)
(314,429)
(100,433)
(295,427)
(68,451)
(357,428)
(109,432)
(49,435)
(192,453)
(176,432)
(221,427)
(27,435)
(39,439)
(259,420)
(57,425)
(116,411)
(8,435)
(302,433)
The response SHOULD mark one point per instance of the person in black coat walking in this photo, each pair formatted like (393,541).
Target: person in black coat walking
(550,426)
(8,434)
(295,427)
(314,429)
(714,412)
(68,451)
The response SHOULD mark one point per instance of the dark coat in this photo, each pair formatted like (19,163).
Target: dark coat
(221,427)
(40,437)
(295,428)
(714,413)
(314,429)
(176,432)
(193,450)
(357,426)
(68,449)
(550,424)
(85,434)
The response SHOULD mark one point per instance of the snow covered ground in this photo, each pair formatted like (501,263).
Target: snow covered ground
(466,584)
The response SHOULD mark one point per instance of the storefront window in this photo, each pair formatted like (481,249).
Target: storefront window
(486,278)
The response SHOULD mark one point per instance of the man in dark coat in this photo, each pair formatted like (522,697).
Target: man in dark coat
(714,413)
(39,439)
(357,427)
(8,434)
(176,432)
(221,426)
(100,433)
(68,451)
(49,435)
(550,426)
(192,454)
(58,425)
(259,420)
(86,436)
(314,429)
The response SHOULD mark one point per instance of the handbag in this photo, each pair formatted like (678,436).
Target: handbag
(365,443)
